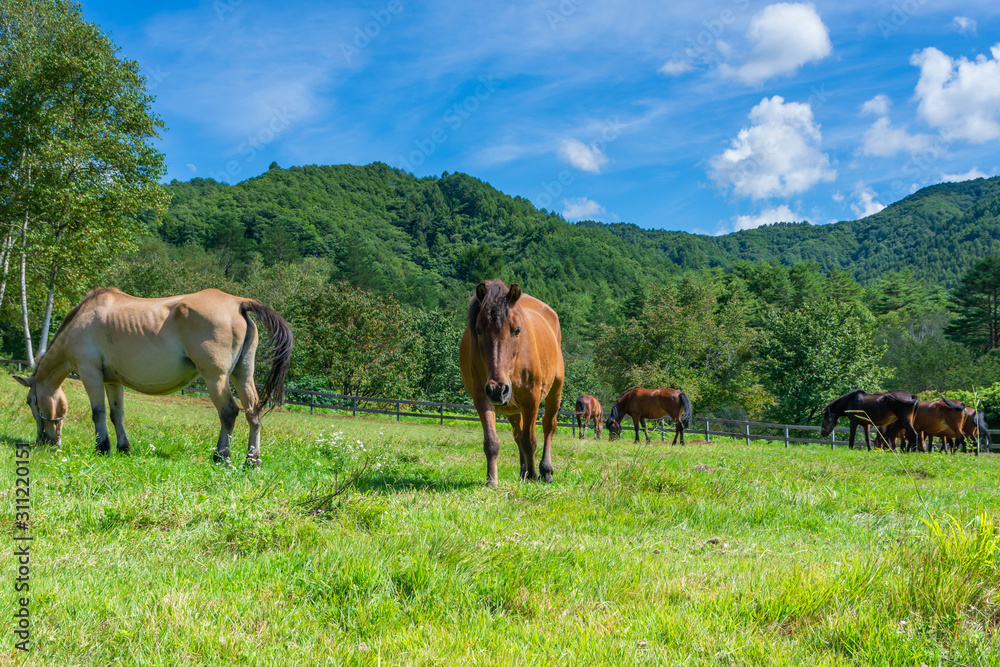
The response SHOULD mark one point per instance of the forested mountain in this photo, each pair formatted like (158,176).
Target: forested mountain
(428,239)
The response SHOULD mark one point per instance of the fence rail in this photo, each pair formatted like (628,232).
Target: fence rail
(744,430)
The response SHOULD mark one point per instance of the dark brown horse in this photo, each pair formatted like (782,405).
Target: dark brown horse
(642,404)
(867,410)
(157,346)
(511,361)
(587,408)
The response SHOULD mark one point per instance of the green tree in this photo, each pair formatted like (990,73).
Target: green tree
(355,342)
(976,301)
(811,355)
(76,160)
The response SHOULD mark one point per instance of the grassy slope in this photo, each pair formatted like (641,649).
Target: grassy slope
(161,558)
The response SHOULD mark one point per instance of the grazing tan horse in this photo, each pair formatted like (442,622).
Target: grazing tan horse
(157,346)
(511,361)
(587,408)
(642,404)
(942,416)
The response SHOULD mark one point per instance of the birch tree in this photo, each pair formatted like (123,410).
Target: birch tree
(77,162)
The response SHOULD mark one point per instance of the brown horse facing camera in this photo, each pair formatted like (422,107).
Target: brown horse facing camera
(642,404)
(587,408)
(511,361)
(157,346)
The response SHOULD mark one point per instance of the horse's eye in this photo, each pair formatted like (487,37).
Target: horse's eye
(517,331)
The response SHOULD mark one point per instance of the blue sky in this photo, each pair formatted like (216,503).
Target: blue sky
(704,117)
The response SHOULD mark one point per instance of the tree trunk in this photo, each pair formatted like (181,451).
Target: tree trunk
(43,338)
(5,252)
(24,292)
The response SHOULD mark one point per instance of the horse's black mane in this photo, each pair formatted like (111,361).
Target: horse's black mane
(495,303)
(614,408)
(91,295)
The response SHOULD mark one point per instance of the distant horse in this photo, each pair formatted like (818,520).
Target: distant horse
(867,410)
(511,361)
(974,428)
(642,404)
(587,408)
(157,346)
(935,417)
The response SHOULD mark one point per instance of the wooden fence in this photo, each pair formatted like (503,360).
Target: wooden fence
(402,407)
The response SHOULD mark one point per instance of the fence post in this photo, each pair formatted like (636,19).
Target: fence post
(572,424)
(833,439)
(354,407)
(182,388)
(708,438)
(397,409)
(312,403)
(441,408)
(748,433)
(786,437)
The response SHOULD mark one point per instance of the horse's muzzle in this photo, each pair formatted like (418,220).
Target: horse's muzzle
(497,393)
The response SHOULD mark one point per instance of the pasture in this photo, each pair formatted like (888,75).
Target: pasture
(709,554)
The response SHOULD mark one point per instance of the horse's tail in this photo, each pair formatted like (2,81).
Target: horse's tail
(281,336)
(984,430)
(952,404)
(686,405)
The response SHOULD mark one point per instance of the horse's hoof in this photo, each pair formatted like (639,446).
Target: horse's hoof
(491,484)
(127,449)
(218,458)
(547,479)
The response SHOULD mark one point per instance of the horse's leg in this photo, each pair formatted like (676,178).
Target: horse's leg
(854,430)
(116,403)
(527,442)
(635,423)
(583,428)
(515,427)
(645,432)
(549,419)
(253,410)
(93,383)
(491,443)
(598,424)
(222,399)
(868,436)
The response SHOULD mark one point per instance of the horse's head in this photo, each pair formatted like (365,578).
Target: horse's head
(48,407)
(614,429)
(829,422)
(496,324)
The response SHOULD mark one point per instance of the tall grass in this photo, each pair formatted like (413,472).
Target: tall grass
(709,554)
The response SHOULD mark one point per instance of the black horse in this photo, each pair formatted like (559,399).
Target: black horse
(867,410)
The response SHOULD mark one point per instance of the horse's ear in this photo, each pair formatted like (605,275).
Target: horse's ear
(481,291)
(514,294)
(27,382)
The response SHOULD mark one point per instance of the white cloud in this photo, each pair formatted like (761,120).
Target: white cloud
(967,176)
(884,140)
(777,155)
(837,197)
(581,208)
(964,25)
(578,154)
(960,97)
(766,217)
(878,105)
(676,67)
(867,204)
(786,35)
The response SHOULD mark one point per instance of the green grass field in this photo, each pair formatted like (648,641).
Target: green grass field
(709,554)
